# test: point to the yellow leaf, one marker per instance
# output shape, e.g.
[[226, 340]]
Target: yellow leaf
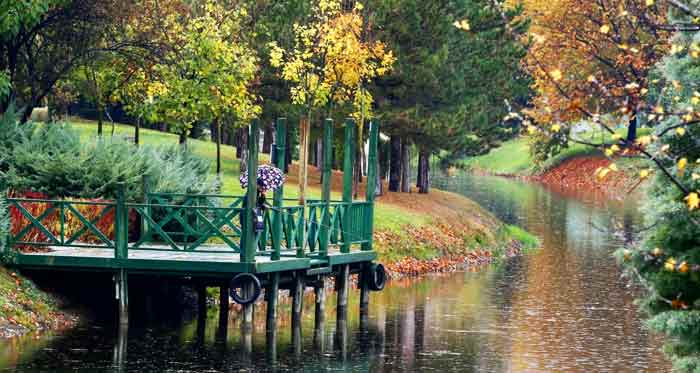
[[555, 74], [643, 174], [693, 201], [604, 172], [650, 2], [613, 167], [680, 131], [682, 163], [531, 129], [670, 264], [604, 29], [556, 128], [683, 267], [644, 140], [657, 251]]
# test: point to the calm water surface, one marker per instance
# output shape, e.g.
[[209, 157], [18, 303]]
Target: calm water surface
[[563, 308]]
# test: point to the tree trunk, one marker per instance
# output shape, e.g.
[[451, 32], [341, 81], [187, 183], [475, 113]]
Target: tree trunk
[[267, 140], [183, 137], [405, 168], [137, 131], [288, 152], [99, 118], [632, 129], [238, 141], [395, 164], [212, 131], [243, 146], [217, 125], [378, 185], [424, 172], [304, 129]]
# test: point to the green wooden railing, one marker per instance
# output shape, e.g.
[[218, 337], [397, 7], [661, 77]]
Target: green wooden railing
[[206, 223]]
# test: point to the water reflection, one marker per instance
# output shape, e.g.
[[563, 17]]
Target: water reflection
[[562, 308]]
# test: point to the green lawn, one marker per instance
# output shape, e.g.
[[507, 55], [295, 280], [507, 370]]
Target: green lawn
[[387, 216], [513, 157], [510, 158]]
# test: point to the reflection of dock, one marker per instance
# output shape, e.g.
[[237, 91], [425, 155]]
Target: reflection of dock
[[215, 240]]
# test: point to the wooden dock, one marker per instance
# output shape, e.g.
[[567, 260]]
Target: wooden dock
[[212, 238]]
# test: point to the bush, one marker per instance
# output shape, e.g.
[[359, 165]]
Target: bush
[[50, 159]]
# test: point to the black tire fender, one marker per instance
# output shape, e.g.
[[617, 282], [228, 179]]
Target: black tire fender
[[236, 288], [375, 275]]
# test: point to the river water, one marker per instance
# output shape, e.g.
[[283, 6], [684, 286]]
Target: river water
[[562, 308]]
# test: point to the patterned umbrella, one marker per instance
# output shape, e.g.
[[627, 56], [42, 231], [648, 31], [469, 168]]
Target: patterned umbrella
[[269, 178]]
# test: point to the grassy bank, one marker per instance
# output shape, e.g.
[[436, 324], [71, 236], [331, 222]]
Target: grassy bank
[[24, 308], [512, 158]]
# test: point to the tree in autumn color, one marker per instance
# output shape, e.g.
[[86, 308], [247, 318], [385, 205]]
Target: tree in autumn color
[[593, 57], [331, 63]]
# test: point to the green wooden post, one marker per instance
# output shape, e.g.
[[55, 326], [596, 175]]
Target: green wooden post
[[248, 244], [280, 151], [121, 234], [348, 160], [371, 182], [324, 233]]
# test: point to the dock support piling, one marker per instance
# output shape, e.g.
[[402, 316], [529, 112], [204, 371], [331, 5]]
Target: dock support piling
[[272, 294], [297, 296], [320, 316], [364, 296], [122, 296], [247, 308], [320, 293], [224, 305], [201, 300], [342, 285]]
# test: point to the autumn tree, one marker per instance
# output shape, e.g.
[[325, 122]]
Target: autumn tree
[[591, 58], [330, 64]]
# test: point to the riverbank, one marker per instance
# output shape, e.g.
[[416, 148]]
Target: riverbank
[[414, 233], [574, 169], [25, 308]]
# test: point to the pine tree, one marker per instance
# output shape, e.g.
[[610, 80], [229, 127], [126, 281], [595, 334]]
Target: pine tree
[[668, 262]]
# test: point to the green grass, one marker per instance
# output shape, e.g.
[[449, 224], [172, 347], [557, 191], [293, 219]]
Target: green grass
[[513, 157], [386, 216], [512, 232], [510, 158]]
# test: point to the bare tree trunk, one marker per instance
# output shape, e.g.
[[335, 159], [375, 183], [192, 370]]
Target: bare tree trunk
[[378, 185], [243, 146], [405, 168], [183, 137], [137, 131], [303, 157], [424, 171], [632, 129], [267, 140], [288, 152], [395, 164], [212, 131], [238, 141], [217, 126]]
